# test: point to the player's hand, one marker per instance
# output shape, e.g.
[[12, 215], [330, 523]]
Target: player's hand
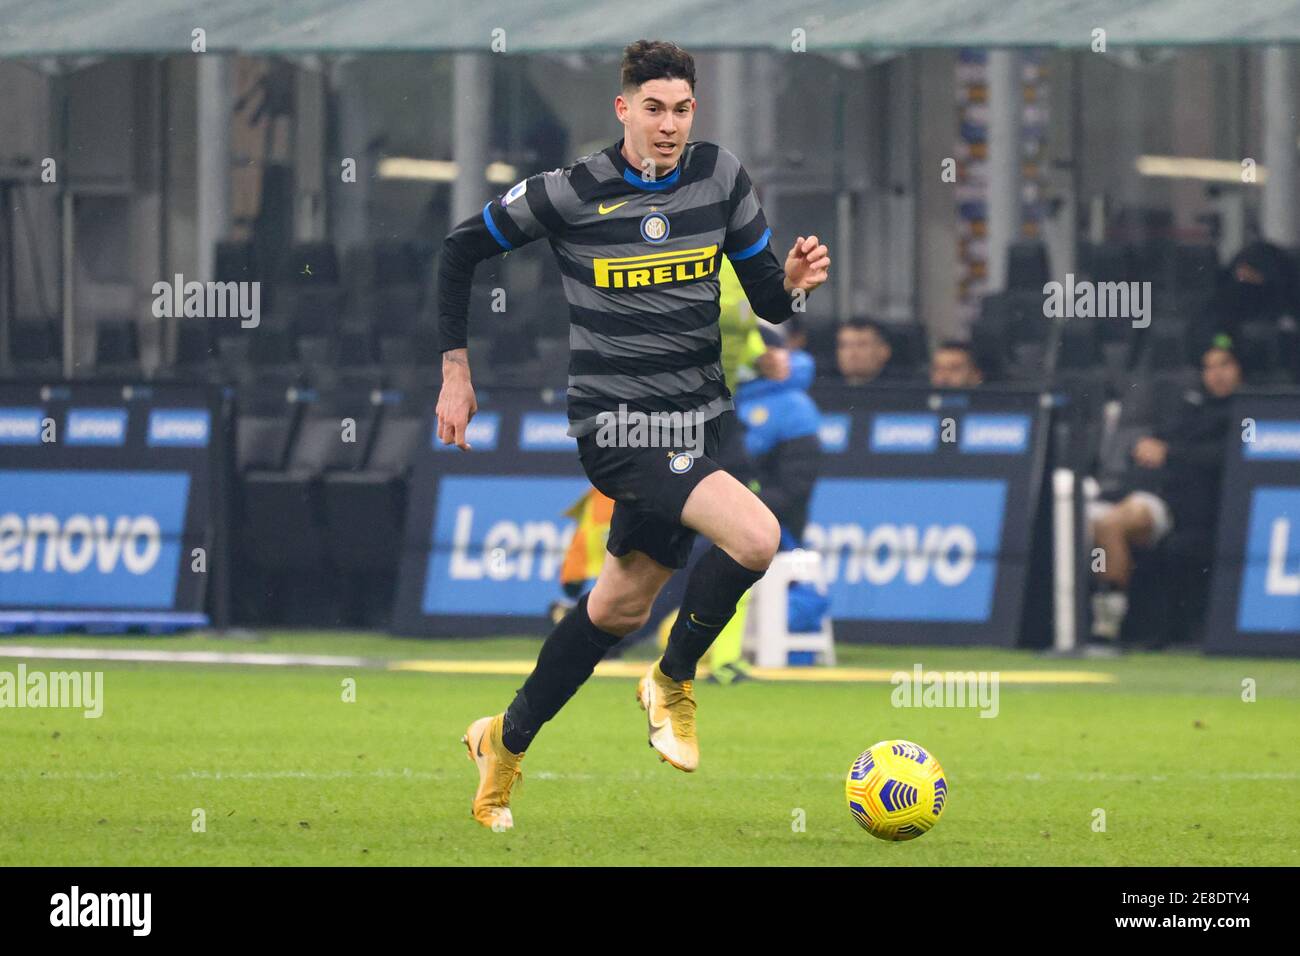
[[456, 401], [774, 364], [1150, 452], [807, 265]]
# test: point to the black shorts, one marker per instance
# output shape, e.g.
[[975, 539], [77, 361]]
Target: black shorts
[[650, 487]]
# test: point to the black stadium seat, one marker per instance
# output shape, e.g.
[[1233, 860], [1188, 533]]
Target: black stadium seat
[[235, 262], [1027, 267], [1080, 345], [395, 309], [1167, 346], [1265, 352], [273, 349], [311, 309], [1196, 267], [364, 509], [35, 348], [117, 350], [282, 520], [264, 420], [309, 263], [1014, 332], [196, 352], [396, 262], [1111, 262]]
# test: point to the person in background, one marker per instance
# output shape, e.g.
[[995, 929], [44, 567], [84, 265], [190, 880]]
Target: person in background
[[742, 345], [796, 334], [781, 424], [781, 439], [863, 353], [954, 365], [1174, 483], [586, 553], [1260, 292], [1260, 284]]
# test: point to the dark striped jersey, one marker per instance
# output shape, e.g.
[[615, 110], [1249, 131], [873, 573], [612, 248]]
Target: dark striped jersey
[[639, 261]]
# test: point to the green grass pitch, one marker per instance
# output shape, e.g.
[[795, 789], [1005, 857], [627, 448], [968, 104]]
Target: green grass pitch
[[287, 773]]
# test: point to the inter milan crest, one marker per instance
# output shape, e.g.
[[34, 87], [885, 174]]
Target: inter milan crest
[[654, 227], [680, 463]]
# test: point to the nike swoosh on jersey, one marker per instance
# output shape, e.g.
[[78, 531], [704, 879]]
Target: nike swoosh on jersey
[[603, 209]]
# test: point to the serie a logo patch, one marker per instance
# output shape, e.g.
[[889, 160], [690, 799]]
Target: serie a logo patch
[[517, 190]]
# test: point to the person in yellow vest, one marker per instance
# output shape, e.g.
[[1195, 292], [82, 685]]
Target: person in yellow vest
[[586, 553], [742, 344], [745, 356]]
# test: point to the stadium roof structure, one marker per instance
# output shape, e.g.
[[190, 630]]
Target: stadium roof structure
[[36, 28]]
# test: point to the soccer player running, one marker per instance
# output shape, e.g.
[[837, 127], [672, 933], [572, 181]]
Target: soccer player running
[[637, 230]]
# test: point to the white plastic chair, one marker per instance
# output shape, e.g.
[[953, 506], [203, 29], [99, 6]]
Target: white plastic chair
[[767, 634]]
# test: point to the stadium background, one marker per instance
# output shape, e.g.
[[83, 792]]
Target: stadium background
[[300, 729], [131, 159]]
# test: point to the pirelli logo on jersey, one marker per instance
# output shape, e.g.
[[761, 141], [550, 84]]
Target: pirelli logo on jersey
[[657, 268]]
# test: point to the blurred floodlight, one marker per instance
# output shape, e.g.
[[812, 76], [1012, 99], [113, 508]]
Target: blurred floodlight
[[1191, 167], [439, 170]]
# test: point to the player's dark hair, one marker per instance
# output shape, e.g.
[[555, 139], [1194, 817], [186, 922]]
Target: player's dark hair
[[656, 60]]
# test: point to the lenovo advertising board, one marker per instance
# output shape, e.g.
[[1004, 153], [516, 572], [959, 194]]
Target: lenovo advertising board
[[106, 506], [923, 513]]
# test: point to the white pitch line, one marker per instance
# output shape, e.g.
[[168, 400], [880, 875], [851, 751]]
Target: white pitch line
[[616, 669], [186, 657], [407, 773]]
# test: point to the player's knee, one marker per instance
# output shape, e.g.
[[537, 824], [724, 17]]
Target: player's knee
[[618, 618], [759, 542]]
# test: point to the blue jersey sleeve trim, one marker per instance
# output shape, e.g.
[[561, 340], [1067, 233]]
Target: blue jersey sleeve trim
[[753, 250], [492, 228]]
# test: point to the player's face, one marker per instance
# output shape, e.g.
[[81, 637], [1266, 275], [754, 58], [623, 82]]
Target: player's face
[[657, 121], [952, 368]]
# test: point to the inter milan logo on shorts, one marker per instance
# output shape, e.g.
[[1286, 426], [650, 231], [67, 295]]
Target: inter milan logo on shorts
[[680, 463], [654, 227]]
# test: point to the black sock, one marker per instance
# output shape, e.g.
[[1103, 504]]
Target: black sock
[[566, 660], [715, 584]]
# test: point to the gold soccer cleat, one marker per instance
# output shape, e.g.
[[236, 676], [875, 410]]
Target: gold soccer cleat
[[669, 706], [498, 770]]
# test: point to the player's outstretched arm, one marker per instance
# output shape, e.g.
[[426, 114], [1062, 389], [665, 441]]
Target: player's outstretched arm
[[464, 248], [456, 401], [507, 222]]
